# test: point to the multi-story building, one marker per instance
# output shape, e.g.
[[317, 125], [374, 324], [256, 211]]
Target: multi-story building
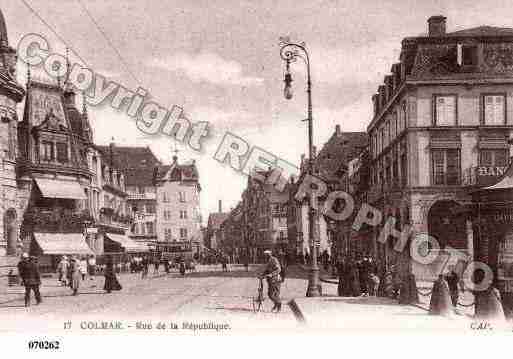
[[178, 204], [213, 234], [11, 93], [232, 239], [330, 165], [442, 124], [138, 165], [264, 209]]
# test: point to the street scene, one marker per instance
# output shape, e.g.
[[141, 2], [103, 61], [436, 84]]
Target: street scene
[[238, 167]]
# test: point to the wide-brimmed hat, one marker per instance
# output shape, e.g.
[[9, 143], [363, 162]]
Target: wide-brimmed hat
[[267, 251]]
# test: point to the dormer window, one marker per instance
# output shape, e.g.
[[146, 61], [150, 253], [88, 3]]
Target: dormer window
[[47, 153], [467, 55], [62, 152]]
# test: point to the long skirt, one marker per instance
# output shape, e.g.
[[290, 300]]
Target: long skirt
[[75, 280], [111, 283]]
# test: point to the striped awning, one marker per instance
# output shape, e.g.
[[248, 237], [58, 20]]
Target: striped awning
[[51, 188], [62, 243], [128, 244]]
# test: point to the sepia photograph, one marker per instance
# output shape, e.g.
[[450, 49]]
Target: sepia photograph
[[223, 168]]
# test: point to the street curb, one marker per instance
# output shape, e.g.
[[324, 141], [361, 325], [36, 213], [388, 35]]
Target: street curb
[[296, 311]]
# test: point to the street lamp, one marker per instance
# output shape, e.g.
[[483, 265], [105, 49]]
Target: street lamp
[[290, 52]]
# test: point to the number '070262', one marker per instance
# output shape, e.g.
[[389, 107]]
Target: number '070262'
[[43, 345]]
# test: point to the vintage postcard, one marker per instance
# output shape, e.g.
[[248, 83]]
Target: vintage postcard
[[231, 167]]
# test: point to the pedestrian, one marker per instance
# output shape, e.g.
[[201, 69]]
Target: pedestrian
[[246, 262], [452, 281], [156, 265], [75, 275], [272, 274], [31, 278], [307, 258], [182, 267], [353, 279], [62, 270], [145, 263], [83, 268], [91, 266], [111, 281], [342, 289], [21, 266], [373, 284]]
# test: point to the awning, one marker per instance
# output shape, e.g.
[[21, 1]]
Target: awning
[[506, 182], [129, 245], [63, 243], [51, 188]]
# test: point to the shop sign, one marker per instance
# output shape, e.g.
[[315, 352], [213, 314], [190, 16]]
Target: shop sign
[[493, 171], [505, 259]]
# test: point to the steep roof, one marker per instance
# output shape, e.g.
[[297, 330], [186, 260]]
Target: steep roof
[[338, 151], [216, 219], [137, 163], [179, 172], [483, 31]]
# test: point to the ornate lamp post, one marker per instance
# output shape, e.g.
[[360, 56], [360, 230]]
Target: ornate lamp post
[[290, 52]]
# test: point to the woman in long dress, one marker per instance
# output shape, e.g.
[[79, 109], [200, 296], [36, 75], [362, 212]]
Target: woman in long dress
[[75, 275], [111, 281]]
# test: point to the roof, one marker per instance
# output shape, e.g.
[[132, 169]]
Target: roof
[[341, 148], [483, 31], [179, 172], [216, 219], [3, 30], [137, 163]]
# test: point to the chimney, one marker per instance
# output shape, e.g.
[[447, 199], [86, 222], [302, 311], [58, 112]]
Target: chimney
[[436, 26], [220, 206], [337, 130]]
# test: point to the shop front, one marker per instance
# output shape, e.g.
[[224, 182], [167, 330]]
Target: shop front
[[493, 234]]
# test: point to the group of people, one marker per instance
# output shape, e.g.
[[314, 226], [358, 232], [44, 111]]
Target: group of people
[[357, 277], [74, 269], [71, 272]]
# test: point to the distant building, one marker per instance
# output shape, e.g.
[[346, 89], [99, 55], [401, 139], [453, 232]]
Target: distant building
[[137, 165], [178, 204], [213, 235], [264, 214], [330, 165]]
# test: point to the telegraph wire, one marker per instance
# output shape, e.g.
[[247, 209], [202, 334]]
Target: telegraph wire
[[111, 44], [52, 29]]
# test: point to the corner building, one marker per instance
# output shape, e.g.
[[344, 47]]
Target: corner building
[[442, 126]]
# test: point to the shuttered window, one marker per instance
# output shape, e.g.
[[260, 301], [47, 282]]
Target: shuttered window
[[494, 110], [446, 166], [445, 110]]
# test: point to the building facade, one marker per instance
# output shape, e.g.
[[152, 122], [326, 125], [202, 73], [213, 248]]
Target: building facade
[[137, 165], [11, 93], [178, 204], [442, 125]]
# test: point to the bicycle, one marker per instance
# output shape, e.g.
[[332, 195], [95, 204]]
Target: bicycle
[[259, 299]]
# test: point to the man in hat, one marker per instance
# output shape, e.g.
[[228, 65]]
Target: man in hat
[[272, 274], [31, 278], [22, 265]]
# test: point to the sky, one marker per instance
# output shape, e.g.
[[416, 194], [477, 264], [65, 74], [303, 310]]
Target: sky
[[219, 60]]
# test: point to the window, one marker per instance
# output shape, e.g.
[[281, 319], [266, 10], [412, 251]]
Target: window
[[47, 151], [143, 229], [150, 208], [388, 135], [382, 139], [149, 228], [62, 152], [94, 164], [183, 214], [403, 116], [404, 169], [446, 167], [469, 55], [167, 215], [394, 133], [183, 233], [165, 197], [168, 234], [493, 158], [494, 109], [445, 110], [181, 196]]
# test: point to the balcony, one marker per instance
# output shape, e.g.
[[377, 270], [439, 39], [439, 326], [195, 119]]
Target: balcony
[[482, 175], [56, 220], [108, 217], [141, 196]]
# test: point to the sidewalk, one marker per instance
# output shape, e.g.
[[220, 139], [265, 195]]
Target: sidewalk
[[372, 313]]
